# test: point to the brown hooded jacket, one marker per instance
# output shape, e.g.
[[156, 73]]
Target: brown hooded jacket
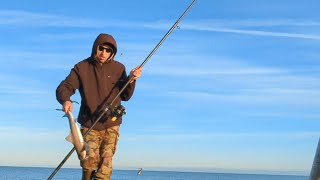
[[98, 85]]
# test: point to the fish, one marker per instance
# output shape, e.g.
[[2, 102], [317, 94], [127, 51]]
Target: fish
[[75, 137]]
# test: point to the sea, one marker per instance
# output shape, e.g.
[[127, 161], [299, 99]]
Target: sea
[[39, 173]]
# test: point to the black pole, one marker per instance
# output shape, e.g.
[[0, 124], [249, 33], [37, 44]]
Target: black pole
[[123, 88]]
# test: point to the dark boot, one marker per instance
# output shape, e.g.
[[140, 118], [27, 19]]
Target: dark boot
[[87, 174]]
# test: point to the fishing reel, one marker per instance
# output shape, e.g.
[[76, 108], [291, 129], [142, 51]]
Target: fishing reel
[[118, 112]]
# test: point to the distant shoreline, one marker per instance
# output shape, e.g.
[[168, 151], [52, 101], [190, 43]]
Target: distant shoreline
[[218, 171]]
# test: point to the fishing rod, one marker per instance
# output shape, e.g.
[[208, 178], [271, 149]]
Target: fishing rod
[[123, 88]]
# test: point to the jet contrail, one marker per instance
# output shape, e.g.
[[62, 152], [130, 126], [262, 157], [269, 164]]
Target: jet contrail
[[256, 32]]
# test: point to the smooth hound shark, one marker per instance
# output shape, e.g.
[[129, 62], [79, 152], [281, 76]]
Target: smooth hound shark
[[75, 137]]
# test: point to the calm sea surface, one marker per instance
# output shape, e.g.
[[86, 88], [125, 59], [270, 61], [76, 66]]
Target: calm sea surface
[[35, 173]]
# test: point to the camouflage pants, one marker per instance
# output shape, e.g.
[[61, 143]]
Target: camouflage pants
[[102, 148]]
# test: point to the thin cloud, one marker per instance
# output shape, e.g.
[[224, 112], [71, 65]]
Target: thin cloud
[[255, 23], [29, 134], [256, 97], [15, 84], [23, 92], [32, 19], [257, 33], [40, 60], [233, 26], [202, 71], [24, 18], [249, 84], [212, 136], [170, 65]]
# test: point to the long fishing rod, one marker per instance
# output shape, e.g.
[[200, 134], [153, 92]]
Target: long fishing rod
[[123, 88]]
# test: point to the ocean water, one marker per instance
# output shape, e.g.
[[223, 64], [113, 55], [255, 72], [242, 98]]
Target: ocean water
[[35, 173]]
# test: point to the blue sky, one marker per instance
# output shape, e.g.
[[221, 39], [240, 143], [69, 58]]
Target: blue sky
[[234, 89]]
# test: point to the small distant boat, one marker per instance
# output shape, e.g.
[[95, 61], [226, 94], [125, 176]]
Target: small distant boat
[[139, 172]]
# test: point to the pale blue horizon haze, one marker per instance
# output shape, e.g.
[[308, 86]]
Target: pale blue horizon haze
[[235, 88]]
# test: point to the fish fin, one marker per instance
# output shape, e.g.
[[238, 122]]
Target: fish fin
[[69, 138], [87, 149]]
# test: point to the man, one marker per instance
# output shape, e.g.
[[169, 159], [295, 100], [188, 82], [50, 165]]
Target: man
[[99, 78]]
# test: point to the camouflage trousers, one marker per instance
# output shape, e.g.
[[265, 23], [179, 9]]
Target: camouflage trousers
[[102, 148]]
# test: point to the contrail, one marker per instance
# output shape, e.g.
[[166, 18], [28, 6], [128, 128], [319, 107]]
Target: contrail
[[256, 33]]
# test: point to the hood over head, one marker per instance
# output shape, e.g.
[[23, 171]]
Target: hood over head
[[104, 39]]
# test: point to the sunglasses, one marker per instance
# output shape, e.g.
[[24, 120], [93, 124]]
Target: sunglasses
[[102, 48]]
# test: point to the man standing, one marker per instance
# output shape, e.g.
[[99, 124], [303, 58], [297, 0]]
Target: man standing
[[99, 78]]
